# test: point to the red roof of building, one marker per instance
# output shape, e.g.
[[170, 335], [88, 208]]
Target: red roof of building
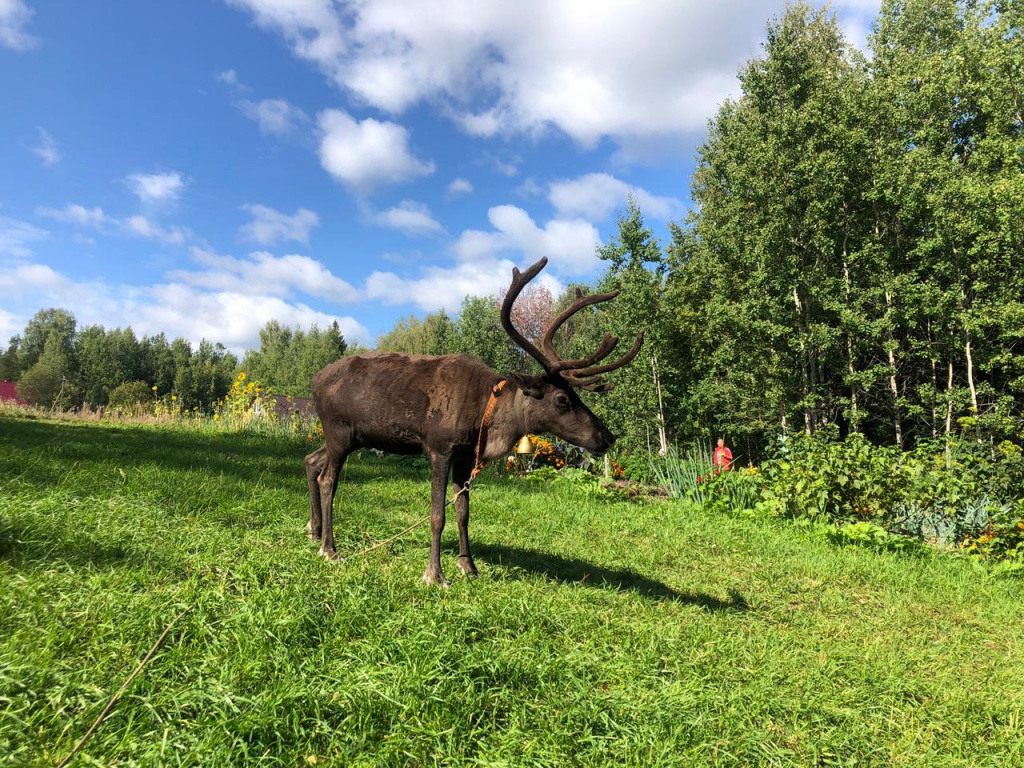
[[9, 391]]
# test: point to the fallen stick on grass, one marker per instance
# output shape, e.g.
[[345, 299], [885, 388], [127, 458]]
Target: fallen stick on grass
[[124, 686]]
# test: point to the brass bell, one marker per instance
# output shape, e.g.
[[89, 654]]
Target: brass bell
[[524, 446]]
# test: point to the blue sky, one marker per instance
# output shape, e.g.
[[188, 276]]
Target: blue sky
[[202, 166]]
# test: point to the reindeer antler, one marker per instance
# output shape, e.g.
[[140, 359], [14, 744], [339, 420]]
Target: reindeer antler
[[519, 281], [578, 373]]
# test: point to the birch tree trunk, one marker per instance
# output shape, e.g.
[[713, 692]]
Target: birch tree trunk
[[855, 417], [804, 373], [949, 408], [662, 437], [970, 384], [893, 384]]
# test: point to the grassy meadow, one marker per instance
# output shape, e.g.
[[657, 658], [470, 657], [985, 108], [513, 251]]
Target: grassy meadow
[[600, 631]]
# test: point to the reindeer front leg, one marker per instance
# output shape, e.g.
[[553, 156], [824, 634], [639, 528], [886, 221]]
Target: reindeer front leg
[[462, 466], [438, 486]]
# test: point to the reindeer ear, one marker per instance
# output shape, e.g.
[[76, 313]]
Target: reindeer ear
[[532, 386]]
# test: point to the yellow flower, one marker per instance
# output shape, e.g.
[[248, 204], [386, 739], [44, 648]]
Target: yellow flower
[[154, 387], [216, 417], [174, 397], [241, 376]]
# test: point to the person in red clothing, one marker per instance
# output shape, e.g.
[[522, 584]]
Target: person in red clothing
[[723, 457]]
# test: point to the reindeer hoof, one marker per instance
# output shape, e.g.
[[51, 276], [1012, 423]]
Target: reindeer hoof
[[329, 554], [467, 566], [434, 578]]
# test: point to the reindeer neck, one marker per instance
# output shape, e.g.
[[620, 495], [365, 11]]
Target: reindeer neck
[[507, 424]]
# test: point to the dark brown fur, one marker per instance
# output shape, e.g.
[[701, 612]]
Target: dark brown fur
[[416, 404]]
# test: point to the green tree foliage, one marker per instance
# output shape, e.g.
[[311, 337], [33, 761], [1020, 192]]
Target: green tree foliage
[[105, 360], [287, 358], [49, 382], [756, 274], [478, 332], [952, 76], [92, 362], [206, 376], [157, 362], [38, 331], [637, 270], [433, 335], [10, 365], [854, 254]]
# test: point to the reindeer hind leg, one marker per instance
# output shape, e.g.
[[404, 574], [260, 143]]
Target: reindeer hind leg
[[314, 466], [336, 452]]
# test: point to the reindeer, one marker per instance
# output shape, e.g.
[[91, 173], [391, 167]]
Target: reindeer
[[456, 411]]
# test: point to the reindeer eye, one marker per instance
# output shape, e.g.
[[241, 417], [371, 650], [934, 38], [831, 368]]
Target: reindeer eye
[[562, 401]]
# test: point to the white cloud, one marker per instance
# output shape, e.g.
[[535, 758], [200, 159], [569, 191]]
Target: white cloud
[[270, 226], [276, 117], [16, 237], [529, 188], [14, 16], [444, 288], [312, 27], [367, 153], [10, 325], [156, 187], [29, 277], [856, 17], [570, 244], [505, 167], [230, 78], [95, 218], [46, 150], [595, 196], [143, 227], [263, 274], [409, 217], [73, 213], [230, 317], [460, 186], [590, 70]]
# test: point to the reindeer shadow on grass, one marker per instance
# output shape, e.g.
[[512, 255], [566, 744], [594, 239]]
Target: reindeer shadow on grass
[[564, 570]]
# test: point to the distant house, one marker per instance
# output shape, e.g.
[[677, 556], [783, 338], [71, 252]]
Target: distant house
[[9, 392], [286, 407]]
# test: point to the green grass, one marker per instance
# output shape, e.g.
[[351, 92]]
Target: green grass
[[598, 633]]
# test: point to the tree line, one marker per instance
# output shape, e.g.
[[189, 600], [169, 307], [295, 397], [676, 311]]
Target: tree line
[[56, 363], [855, 255]]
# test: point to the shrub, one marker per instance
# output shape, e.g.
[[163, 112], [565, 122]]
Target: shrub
[[820, 477], [962, 493], [45, 385], [130, 395], [943, 493]]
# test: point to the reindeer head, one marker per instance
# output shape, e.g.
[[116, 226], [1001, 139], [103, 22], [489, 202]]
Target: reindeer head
[[550, 402]]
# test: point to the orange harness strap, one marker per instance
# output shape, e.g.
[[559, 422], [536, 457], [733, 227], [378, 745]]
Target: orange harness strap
[[481, 441], [485, 425]]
